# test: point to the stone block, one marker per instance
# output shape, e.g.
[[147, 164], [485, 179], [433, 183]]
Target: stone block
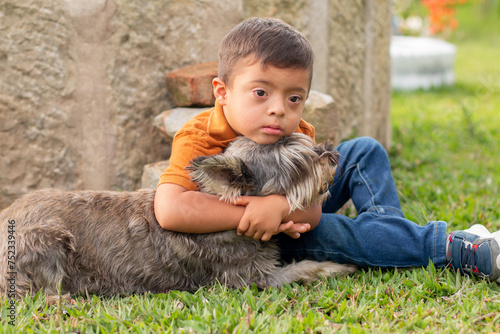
[[151, 174], [320, 110], [192, 85], [170, 121]]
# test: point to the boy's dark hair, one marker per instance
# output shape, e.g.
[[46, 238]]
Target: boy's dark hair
[[270, 40]]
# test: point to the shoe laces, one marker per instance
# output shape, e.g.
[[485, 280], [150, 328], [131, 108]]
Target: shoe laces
[[469, 256]]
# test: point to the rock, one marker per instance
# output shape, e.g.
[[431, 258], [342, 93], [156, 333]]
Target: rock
[[192, 85], [320, 110], [151, 174], [170, 121]]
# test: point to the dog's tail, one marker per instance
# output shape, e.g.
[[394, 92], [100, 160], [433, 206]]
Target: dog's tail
[[308, 271]]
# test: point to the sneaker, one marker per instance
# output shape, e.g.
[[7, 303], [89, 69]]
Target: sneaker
[[475, 251]]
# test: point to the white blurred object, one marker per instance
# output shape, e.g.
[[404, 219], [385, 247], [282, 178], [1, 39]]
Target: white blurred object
[[421, 62], [413, 24]]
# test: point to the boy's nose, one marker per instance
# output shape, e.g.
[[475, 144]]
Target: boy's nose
[[277, 109]]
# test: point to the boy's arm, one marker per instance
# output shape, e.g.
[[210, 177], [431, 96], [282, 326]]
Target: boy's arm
[[178, 209], [310, 216], [306, 221]]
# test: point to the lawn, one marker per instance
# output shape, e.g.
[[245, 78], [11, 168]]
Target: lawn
[[446, 151], [445, 160]]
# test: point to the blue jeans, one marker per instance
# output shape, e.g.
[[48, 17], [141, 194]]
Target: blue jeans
[[380, 236]]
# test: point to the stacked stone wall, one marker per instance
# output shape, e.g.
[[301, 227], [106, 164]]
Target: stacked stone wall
[[83, 80]]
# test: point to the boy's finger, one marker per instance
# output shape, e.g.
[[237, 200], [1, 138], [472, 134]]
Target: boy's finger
[[301, 227], [266, 237], [242, 200], [242, 227], [304, 228], [254, 234], [285, 226]]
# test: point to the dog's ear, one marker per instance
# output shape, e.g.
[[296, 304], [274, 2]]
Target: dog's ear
[[327, 152], [222, 175]]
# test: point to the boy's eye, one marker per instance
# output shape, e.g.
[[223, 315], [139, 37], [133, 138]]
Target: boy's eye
[[295, 99], [260, 93]]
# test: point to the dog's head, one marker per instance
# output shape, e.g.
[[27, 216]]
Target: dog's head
[[293, 167]]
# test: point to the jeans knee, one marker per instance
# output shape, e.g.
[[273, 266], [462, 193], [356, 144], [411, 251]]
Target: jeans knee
[[370, 144], [364, 151]]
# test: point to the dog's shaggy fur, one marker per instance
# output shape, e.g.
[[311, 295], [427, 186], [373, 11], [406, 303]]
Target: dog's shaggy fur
[[107, 243]]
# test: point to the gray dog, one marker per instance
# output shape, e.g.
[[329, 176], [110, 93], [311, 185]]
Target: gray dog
[[107, 243]]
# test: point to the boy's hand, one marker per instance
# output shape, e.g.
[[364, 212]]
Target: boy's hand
[[263, 216], [294, 230]]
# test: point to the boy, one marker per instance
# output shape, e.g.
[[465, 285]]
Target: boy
[[265, 72]]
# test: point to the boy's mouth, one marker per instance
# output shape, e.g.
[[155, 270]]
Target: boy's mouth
[[272, 130]]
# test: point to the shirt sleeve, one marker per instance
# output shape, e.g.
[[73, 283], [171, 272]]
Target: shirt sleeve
[[186, 146]]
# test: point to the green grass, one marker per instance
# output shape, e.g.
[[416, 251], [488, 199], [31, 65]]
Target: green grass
[[445, 157], [372, 301], [446, 149]]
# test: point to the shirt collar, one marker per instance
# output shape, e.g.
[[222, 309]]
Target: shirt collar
[[218, 127]]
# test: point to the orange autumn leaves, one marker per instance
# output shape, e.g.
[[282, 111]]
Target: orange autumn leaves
[[442, 14]]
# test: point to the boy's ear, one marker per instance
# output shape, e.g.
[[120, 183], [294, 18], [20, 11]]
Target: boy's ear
[[220, 90]]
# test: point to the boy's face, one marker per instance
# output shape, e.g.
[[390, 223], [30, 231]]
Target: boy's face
[[263, 103]]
